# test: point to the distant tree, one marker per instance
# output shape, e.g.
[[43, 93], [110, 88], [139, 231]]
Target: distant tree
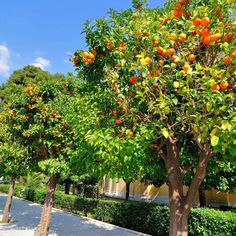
[[14, 161]]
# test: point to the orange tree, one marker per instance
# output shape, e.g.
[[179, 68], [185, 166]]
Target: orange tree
[[14, 161], [38, 121], [170, 74]]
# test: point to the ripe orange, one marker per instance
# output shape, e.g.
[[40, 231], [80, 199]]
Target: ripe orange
[[161, 51], [205, 32], [224, 85], [155, 42], [135, 14], [206, 40], [156, 72], [110, 45], [182, 37], [161, 62], [131, 134], [197, 22], [191, 57], [227, 60], [133, 79], [170, 51], [75, 58], [215, 87], [215, 37], [85, 55], [118, 121], [229, 37], [138, 33], [172, 36], [186, 68], [115, 112], [205, 21]]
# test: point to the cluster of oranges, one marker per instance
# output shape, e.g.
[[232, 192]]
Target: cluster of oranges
[[205, 32], [179, 10], [86, 57], [223, 86]]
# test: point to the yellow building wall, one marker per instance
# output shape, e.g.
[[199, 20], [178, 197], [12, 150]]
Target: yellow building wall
[[140, 190], [220, 197]]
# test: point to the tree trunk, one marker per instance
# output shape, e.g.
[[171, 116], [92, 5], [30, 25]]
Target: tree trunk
[[43, 226], [178, 219], [6, 211], [127, 189], [73, 188], [67, 186], [202, 197]]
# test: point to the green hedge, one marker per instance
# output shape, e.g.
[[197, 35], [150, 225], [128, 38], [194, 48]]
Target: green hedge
[[149, 218]]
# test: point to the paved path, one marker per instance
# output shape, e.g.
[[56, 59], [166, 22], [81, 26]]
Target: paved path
[[27, 214]]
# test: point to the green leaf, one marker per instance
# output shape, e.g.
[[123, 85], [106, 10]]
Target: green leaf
[[232, 150], [165, 133], [214, 140]]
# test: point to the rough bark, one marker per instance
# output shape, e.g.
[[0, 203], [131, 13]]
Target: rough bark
[[6, 211], [202, 196], [43, 226], [67, 186], [127, 190]]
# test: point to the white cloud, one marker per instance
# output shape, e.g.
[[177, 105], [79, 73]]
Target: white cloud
[[4, 60], [41, 62]]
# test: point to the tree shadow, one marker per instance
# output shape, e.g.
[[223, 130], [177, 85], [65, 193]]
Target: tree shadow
[[26, 216]]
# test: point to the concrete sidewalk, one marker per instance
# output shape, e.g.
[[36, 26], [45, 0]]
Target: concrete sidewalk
[[26, 216]]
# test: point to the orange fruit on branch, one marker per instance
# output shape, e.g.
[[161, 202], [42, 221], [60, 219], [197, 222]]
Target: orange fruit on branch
[[215, 87], [186, 68], [191, 57], [172, 36], [227, 60], [205, 21], [155, 42], [197, 22], [205, 32], [118, 121], [170, 51], [224, 85], [182, 37]]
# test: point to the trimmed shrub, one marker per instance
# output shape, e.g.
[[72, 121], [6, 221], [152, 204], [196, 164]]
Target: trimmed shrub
[[149, 218]]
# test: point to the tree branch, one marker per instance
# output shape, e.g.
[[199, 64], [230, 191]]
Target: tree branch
[[206, 153]]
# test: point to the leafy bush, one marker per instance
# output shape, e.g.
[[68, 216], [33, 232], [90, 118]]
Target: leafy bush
[[149, 218]]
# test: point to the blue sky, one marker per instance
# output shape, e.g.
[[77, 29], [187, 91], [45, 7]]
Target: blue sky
[[44, 32]]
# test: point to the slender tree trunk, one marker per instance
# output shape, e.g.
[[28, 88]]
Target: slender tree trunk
[[127, 190], [43, 226], [6, 211], [67, 186], [73, 188], [202, 196]]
